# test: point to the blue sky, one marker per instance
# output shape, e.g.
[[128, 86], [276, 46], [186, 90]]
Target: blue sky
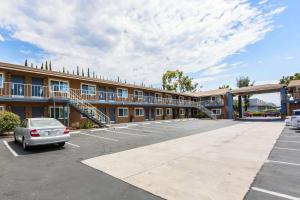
[[212, 41]]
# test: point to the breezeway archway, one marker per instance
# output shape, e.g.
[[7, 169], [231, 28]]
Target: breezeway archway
[[257, 89]]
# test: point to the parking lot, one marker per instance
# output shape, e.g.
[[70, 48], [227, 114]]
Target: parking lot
[[52, 172]]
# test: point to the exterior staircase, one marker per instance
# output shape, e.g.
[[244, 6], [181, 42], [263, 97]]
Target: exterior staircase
[[88, 110], [209, 113]]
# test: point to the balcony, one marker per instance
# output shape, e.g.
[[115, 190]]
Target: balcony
[[296, 95], [213, 103], [28, 92]]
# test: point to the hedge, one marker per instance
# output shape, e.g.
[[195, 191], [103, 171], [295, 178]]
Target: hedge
[[8, 121]]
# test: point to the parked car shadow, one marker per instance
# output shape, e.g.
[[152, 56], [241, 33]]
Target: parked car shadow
[[17, 147]]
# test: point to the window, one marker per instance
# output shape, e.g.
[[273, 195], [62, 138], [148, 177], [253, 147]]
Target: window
[[59, 112], [123, 93], [138, 94], [59, 86], [123, 112], [181, 111], [169, 111], [158, 111], [139, 111], [297, 89], [2, 109], [158, 97], [88, 89], [215, 98], [1, 80], [216, 111]]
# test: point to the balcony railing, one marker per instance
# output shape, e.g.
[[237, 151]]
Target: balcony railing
[[17, 90], [296, 95]]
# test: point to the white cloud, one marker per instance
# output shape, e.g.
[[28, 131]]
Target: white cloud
[[138, 40], [1, 38]]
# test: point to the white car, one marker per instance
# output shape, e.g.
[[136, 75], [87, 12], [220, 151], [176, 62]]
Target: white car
[[288, 121], [296, 119]]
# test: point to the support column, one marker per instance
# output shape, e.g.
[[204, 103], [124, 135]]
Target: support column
[[240, 106], [283, 101], [230, 105]]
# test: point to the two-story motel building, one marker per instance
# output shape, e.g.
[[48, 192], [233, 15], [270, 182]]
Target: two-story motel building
[[31, 92]]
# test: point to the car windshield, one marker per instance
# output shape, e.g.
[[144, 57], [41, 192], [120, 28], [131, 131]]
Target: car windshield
[[44, 122], [297, 112]]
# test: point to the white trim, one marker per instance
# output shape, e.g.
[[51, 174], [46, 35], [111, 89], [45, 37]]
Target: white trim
[[139, 97], [139, 109], [125, 108], [161, 113], [88, 90], [216, 109], [59, 80], [171, 113], [59, 107], [3, 79], [122, 93]]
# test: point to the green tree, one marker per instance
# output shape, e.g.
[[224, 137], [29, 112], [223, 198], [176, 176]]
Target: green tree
[[287, 79], [64, 70], [244, 81], [50, 66], [177, 81], [77, 71], [224, 86], [46, 65], [42, 66], [25, 64], [88, 72]]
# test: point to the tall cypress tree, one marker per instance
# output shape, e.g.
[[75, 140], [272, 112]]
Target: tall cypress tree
[[63, 69], [50, 66], [46, 65], [82, 73], [88, 72], [25, 63], [77, 70], [42, 67]]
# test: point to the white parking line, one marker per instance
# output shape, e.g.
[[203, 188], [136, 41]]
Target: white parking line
[[149, 131], [75, 132], [288, 141], [157, 122], [289, 149], [133, 134], [281, 162], [96, 136], [145, 123], [275, 193], [75, 145], [100, 129], [162, 126], [10, 149]]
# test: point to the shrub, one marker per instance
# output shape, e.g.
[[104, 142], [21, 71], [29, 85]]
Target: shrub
[[86, 124], [8, 121], [257, 114], [201, 115]]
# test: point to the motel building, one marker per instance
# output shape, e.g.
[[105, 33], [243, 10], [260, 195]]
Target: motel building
[[30, 92]]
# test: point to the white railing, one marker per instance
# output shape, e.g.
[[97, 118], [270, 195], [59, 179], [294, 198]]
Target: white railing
[[86, 107], [39, 91]]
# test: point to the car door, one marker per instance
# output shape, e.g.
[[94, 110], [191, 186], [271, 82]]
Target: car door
[[21, 130]]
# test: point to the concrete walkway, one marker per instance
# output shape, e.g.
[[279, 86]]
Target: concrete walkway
[[218, 164]]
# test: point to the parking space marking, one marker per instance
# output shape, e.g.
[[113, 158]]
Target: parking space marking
[[75, 132], [10, 149], [96, 136], [275, 193], [74, 145], [149, 131], [281, 162], [288, 141], [163, 126], [145, 123], [157, 122], [133, 134], [289, 149]]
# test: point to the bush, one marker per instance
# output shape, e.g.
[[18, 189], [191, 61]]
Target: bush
[[201, 115], [258, 114], [86, 124], [8, 121]]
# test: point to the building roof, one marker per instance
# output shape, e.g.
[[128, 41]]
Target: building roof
[[210, 92], [294, 83], [257, 89], [83, 78]]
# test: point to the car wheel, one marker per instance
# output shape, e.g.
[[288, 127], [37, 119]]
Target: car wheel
[[61, 144], [25, 147]]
